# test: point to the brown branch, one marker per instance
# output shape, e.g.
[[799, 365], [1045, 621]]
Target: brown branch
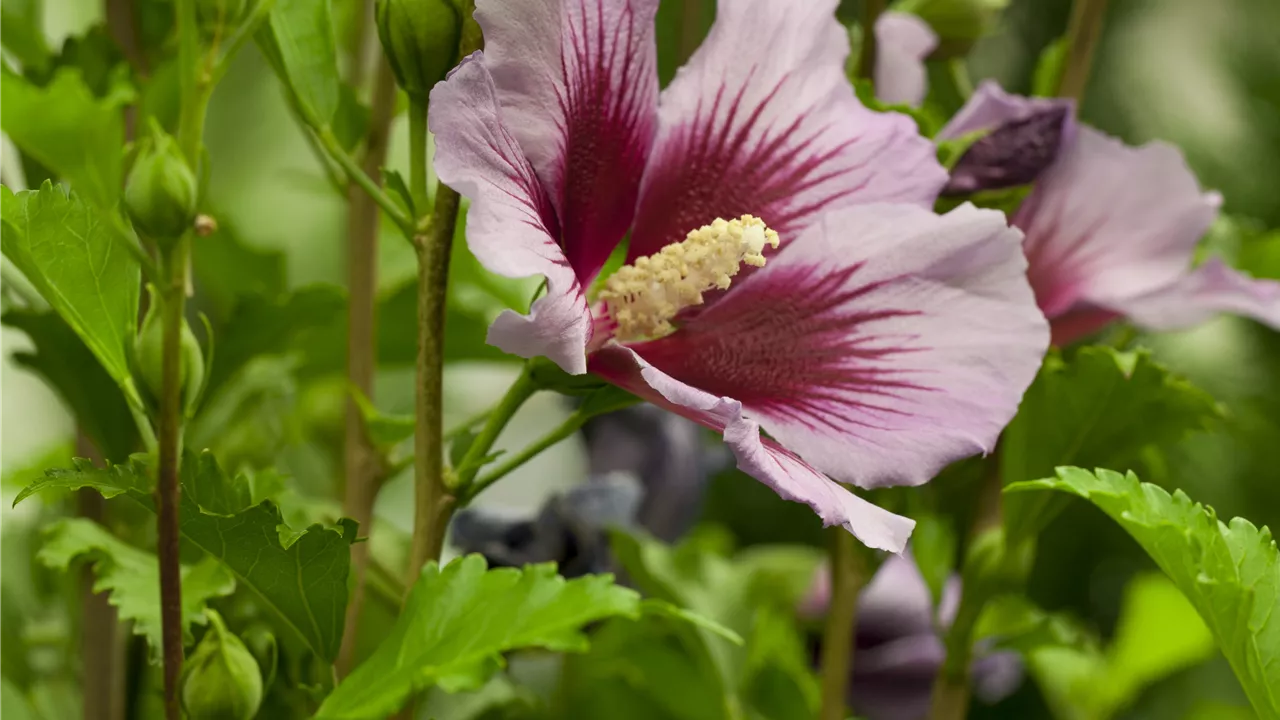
[[363, 465]]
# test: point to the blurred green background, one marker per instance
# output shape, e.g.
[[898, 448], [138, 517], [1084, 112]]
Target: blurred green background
[[1203, 74]]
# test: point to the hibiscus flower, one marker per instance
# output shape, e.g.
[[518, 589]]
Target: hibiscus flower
[[783, 270], [1111, 230]]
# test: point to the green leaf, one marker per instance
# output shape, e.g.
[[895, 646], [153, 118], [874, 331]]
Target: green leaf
[[458, 621], [1048, 73], [934, 546], [752, 595], [638, 671], [23, 22], [70, 131], [263, 326], [1159, 634], [1097, 408], [1013, 622], [303, 579], [384, 430], [62, 359], [1230, 572], [662, 608], [132, 576], [13, 704], [78, 264], [298, 40], [228, 270]]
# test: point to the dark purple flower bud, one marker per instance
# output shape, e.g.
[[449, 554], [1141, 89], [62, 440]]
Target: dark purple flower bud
[[666, 453], [1013, 154], [898, 649], [569, 530]]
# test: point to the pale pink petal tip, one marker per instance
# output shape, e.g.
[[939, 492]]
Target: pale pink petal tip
[[903, 41]]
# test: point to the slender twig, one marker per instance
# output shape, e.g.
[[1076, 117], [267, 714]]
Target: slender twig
[[566, 429], [362, 462], [356, 174], [1083, 31], [871, 10], [195, 90], [167, 492], [521, 390], [465, 425], [849, 571]]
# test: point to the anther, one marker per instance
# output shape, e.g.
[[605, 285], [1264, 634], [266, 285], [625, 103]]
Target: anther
[[643, 298]]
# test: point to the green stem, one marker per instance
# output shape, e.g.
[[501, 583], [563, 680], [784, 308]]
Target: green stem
[[167, 490], [871, 10], [357, 175], [567, 428], [521, 390], [849, 571], [1083, 31], [418, 150], [434, 502], [959, 67], [951, 688]]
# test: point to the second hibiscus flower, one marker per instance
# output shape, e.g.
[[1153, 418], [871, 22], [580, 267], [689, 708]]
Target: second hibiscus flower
[[877, 343]]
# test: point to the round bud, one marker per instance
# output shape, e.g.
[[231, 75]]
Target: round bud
[[149, 350], [221, 680], [161, 192], [420, 39]]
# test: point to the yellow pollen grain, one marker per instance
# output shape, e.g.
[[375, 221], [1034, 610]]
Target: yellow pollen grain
[[643, 297]]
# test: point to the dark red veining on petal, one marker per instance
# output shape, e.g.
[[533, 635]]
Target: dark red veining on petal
[[607, 126], [724, 163], [1058, 250], [528, 193], [792, 345]]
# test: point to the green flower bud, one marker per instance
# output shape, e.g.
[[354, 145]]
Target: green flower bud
[[959, 23], [149, 349], [420, 39], [221, 680], [162, 190]]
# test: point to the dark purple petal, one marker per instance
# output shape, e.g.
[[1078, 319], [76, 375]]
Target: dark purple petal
[[578, 85], [990, 107], [762, 121], [1015, 153]]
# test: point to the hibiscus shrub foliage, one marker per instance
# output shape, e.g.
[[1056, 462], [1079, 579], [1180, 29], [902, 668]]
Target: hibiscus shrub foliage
[[652, 359]]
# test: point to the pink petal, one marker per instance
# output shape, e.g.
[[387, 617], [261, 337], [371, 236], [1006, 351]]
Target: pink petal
[[881, 344], [763, 121], [1202, 293], [577, 82], [763, 459], [991, 107], [511, 227], [1108, 222], [903, 41]]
